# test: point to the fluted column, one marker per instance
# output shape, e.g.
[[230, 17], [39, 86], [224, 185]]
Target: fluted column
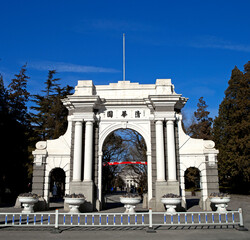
[[171, 151], [160, 151], [88, 153], [77, 159]]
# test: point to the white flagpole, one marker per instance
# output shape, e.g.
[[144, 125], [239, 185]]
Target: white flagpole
[[123, 56]]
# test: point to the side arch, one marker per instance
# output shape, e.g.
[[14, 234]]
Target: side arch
[[51, 164], [201, 166]]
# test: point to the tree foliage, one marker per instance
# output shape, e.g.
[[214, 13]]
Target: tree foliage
[[192, 178], [113, 149], [21, 129], [231, 132], [124, 145], [137, 151], [18, 96], [49, 118], [201, 126], [14, 130]]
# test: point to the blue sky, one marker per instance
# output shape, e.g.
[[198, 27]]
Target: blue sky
[[195, 43]]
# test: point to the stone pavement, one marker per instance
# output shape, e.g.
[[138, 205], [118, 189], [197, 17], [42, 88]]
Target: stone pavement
[[237, 201]]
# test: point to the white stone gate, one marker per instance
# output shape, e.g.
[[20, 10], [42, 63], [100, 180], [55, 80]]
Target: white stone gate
[[154, 111]]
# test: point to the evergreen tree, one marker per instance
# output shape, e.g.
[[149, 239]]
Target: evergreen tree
[[18, 96], [3, 99], [14, 130], [50, 117], [4, 119], [231, 132], [201, 126], [57, 119]]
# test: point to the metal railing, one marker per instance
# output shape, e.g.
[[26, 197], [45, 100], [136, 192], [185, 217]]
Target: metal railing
[[196, 218], [148, 219]]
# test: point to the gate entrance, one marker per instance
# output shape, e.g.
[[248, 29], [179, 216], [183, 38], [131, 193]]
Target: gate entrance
[[57, 185], [151, 110], [124, 164]]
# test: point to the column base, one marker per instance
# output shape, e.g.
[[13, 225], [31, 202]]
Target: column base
[[162, 188], [173, 187], [87, 189]]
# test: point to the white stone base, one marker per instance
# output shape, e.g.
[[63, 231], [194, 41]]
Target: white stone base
[[162, 188], [87, 189]]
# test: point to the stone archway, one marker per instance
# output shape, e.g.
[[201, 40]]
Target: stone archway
[[57, 184], [193, 186], [154, 111], [104, 135], [55, 163], [201, 167]]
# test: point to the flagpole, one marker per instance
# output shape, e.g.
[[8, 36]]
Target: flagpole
[[123, 56]]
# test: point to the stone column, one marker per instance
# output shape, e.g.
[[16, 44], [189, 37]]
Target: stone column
[[171, 151], [150, 188], [77, 159], [100, 176], [88, 153], [160, 151]]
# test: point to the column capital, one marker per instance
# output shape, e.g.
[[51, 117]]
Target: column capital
[[159, 122], [77, 120], [170, 121]]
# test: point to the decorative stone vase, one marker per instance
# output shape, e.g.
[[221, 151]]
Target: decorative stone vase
[[171, 204], [74, 204], [28, 203], [220, 203], [129, 203]]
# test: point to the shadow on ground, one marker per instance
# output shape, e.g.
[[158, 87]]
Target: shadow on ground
[[192, 202]]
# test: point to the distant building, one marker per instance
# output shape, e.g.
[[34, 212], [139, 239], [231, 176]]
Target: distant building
[[129, 177]]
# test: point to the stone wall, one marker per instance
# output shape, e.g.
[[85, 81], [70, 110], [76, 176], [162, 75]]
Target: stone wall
[[38, 179]]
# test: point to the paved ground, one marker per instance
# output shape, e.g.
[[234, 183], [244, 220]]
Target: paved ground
[[128, 233]]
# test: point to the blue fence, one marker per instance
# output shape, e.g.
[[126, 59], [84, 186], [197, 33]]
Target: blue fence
[[146, 219]]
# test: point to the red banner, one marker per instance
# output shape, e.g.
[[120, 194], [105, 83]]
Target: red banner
[[127, 162]]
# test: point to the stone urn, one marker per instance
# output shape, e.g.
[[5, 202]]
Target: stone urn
[[74, 201], [171, 201], [28, 201], [220, 200], [129, 202]]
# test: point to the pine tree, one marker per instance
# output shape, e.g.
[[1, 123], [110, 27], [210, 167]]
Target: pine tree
[[57, 120], [231, 132], [4, 121], [49, 119], [201, 126], [18, 96], [3, 99], [14, 130]]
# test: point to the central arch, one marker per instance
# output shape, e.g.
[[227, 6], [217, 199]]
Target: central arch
[[124, 125], [104, 133]]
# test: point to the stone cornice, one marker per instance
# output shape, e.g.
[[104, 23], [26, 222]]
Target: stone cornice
[[174, 101], [75, 102]]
